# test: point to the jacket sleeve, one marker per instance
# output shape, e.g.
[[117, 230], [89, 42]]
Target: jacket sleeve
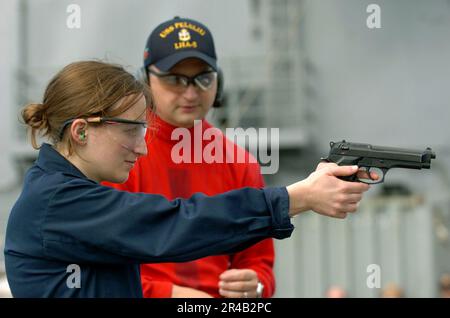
[[259, 257], [87, 222], [150, 288]]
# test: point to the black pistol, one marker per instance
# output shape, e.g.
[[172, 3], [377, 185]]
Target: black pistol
[[377, 159]]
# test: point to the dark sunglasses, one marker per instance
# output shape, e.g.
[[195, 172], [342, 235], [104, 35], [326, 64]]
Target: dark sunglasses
[[203, 80]]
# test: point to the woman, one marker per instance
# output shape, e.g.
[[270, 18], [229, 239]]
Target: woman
[[69, 236]]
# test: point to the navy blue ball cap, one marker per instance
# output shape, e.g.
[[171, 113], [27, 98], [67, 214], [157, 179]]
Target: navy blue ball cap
[[179, 39]]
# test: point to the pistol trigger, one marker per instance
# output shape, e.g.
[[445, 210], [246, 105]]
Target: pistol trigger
[[384, 170], [362, 168], [381, 172]]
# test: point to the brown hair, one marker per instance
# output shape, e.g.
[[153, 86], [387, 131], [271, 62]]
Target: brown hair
[[82, 89]]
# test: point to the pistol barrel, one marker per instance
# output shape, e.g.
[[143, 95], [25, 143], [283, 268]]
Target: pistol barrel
[[394, 157]]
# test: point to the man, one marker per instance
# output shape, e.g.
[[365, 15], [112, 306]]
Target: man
[[180, 66]]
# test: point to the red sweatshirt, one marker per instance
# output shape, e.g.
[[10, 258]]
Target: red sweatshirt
[[157, 173]]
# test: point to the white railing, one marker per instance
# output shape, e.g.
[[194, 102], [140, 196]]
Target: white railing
[[398, 234]]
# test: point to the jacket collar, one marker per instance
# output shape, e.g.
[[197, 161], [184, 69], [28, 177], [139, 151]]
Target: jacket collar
[[51, 160]]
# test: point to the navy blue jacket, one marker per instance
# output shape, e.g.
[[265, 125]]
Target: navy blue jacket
[[63, 218]]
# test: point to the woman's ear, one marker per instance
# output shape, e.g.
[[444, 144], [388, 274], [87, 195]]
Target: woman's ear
[[78, 131]]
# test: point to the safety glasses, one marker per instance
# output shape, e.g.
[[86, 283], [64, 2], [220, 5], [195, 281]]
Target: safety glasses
[[180, 82], [128, 133]]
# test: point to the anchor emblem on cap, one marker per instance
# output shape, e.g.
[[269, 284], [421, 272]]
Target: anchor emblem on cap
[[184, 35]]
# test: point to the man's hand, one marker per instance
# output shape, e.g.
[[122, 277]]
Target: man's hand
[[187, 292], [325, 194], [238, 283]]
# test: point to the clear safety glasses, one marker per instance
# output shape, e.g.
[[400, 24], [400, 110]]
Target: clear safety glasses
[[128, 133]]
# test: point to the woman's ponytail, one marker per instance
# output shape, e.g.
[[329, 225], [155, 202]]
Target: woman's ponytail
[[35, 117]]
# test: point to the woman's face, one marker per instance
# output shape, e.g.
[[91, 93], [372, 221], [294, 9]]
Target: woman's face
[[113, 148]]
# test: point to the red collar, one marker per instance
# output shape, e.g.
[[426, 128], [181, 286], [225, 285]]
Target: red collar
[[164, 130]]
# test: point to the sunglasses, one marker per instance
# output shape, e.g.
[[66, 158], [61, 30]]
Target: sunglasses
[[203, 80]]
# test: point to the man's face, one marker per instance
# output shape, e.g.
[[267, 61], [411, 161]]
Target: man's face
[[180, 107]]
